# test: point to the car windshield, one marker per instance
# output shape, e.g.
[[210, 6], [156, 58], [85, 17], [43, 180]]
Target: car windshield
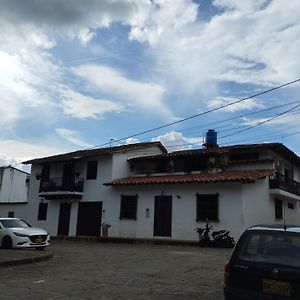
[[271, 247], [14, 223]]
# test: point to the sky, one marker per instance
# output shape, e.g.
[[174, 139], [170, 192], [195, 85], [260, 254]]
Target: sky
[[78, 74]]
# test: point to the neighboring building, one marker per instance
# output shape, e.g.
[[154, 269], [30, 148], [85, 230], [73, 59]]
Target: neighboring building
[[14, 185], [144, 192]]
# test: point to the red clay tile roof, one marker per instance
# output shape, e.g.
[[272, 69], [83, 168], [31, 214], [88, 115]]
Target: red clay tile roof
[[245, 176], [93, 152]]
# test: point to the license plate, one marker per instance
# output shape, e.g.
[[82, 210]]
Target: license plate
[[276, 287], [39, 240]]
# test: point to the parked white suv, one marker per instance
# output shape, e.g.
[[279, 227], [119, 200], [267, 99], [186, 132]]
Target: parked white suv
[[16, 233]]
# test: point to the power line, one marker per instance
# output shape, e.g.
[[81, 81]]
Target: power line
[[243, 126], [202, 113], [260, 123], [234, 128], [269, 138], [241, 116]]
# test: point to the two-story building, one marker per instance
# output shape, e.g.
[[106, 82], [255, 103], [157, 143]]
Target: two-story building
[[143, 191], [67, 195]]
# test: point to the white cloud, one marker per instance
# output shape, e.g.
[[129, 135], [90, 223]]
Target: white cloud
[[163, 17], [289, 118], [246, 42], [84, 107], [245, 5], [22, 150], [71, 18], [10, 161], [140, 94], [72, 136], [131, 141], [244, 105], [175, 140], [27, 78]]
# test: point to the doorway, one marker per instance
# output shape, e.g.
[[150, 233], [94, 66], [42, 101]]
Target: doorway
[[89, 218], [163, 216], [64, 219], [68, 176]]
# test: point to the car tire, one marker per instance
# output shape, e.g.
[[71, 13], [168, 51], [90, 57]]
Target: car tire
[[7, 242], [40, 248]]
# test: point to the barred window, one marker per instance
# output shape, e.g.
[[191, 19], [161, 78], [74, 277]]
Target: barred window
[[207, 207], [128, 207]]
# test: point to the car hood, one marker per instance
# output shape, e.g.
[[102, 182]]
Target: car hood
[[30, 231]]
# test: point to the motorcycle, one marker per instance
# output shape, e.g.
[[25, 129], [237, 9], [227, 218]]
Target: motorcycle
[[220, 238]]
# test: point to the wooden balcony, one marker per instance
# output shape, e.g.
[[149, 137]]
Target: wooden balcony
[[62, 187], [282, 182]]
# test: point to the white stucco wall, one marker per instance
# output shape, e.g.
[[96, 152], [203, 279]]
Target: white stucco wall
[[13, 186], [259, 205], [183, 209]]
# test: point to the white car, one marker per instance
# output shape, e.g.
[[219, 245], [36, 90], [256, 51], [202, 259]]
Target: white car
[[16, 233]]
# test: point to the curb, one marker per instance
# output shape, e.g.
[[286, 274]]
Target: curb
[[27, 260], [125, 240]]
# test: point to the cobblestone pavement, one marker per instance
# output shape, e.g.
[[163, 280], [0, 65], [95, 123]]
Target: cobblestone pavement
[[82, 270]]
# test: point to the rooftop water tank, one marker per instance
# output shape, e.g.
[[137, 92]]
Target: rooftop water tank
[[211, 138]]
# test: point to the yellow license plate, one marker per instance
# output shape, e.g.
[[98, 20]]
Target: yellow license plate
[[276, 287], [39, 240]]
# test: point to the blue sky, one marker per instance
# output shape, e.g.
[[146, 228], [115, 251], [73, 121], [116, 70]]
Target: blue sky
[[75, 74]]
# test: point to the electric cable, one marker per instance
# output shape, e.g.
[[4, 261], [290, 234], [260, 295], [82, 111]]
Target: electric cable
[[201, 114]]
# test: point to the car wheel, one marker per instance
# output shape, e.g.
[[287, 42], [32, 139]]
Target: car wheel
[[40, 248], [7, 242]]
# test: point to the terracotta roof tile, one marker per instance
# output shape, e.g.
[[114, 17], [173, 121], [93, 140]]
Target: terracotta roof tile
[[245, 176]]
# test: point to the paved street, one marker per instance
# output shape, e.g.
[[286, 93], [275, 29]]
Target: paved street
[[81, 270]]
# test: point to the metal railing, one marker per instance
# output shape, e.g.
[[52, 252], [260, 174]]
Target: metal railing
[[282, 182], [74, 184]]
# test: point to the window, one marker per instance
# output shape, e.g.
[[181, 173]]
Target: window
[[207, 207], [91, 169], [291, 205], [278, 209], [272, 247], [11, 214], [42, 215], [128, 207]]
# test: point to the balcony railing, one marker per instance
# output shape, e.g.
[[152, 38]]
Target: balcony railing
[[62, 185], [282, 182]]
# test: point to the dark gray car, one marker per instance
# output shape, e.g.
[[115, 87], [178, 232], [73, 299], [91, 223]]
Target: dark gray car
[[265, 264]]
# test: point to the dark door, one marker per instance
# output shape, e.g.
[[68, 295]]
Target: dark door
[[163, 216], [64, 219], [68, 176], [89, 218]]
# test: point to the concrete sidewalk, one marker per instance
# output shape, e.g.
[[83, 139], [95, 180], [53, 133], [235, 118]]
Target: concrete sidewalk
[[12, 257]]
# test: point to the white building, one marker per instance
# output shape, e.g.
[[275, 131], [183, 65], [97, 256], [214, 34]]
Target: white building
[[144, 192], [14, 185]]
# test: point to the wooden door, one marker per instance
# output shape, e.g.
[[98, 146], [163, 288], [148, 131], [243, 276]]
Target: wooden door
[[64, 219], [163, 216], [89, 218]]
